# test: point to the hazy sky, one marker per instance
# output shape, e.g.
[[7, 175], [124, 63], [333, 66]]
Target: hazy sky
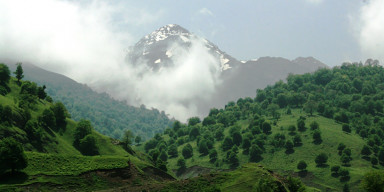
[[86, 39]]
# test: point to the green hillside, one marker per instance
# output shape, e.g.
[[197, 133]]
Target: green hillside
[[60, 154], [331, 119], [109, 117]]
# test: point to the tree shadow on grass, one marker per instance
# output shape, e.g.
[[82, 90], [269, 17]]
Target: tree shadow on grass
[[322, 166], [13, 178], [366, 158], [345, 179], [289, 151], [303, 173]]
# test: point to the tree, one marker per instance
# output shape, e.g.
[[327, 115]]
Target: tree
[[203, 149], [297, 141], [380, 156], [87, 145], [341, 147], [272, 108], [181, 164], [194, 132], [289, 147], [83, 128], [246, 145], [172, 151], [314, 125], [310, 107], [47, 119], [317, 137], [346, 128], [302, 165], [292, 129], [41, 92], [4, 74], [301, 125], [137, 139], [233, 159], [365, 151], [19, 72], [127, 137], [237, 138], [12, 155], [193, 121], [212, 155], [295, 184], [321, 159], [187, 151], [346, 188], [163, 156], [266, 128], [255, 153], [60, 113], [227, 144], [373, 181], [209, 121]]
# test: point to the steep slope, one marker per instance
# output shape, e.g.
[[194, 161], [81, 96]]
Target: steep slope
[[335, 115], [54, 147], [110, 117]]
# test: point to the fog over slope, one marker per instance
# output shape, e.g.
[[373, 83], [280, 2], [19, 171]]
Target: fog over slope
[[83, 40]]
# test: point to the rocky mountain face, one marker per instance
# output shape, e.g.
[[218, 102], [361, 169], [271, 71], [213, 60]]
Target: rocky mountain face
[[157, 49], [238, 79]]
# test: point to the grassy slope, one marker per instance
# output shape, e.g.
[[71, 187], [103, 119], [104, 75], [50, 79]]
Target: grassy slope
[[62, 163], [284, 163]]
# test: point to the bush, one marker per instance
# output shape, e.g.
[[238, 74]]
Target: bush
[[12, 156], [302, 165], [346, 128]]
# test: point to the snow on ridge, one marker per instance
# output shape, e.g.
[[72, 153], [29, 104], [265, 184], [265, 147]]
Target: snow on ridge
[[158, 61], [168, 53]]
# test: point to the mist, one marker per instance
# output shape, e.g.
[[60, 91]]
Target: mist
[[83, 41], [371, 29]]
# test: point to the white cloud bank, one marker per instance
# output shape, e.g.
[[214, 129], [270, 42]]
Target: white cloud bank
[[371, 29], [84, 42]]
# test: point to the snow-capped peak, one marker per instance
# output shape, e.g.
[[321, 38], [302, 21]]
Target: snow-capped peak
[[165, 32]]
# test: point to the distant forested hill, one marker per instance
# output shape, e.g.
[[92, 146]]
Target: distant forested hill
[[110, 117]]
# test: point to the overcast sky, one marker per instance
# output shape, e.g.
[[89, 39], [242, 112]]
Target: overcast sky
[[85, 40], [250, 29]]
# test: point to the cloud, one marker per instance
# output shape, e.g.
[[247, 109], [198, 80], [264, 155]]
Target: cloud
[[314, 1], [370, 29], [85, 41], [206, 11]]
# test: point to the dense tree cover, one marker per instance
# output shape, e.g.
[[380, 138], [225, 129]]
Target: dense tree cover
[[352, 95], [373, 181], [12, 156]]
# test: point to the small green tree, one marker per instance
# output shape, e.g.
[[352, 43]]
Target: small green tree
[[301, 125], [341, 147], [47, 119], [19, 72], [266, 128], [163, 156], [365, 151], [212, 155], [346, 128], [12, 155], [227, 144], [181, 164], [83, 128], [302, 165], [314, 125], [187, 151], [297, 141], [317, 137], [193, 121], [255, 153], [203, 149], [172, 151], [137, 139], [87, 145], [289, 146], [292, 129], [321, 159]]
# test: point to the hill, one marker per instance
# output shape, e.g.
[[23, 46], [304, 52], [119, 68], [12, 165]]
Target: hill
[[60, 153], [109, 117], [330, 119]]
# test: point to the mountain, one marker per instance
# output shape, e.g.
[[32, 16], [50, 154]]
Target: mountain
[[159, 49], [109, 116]]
